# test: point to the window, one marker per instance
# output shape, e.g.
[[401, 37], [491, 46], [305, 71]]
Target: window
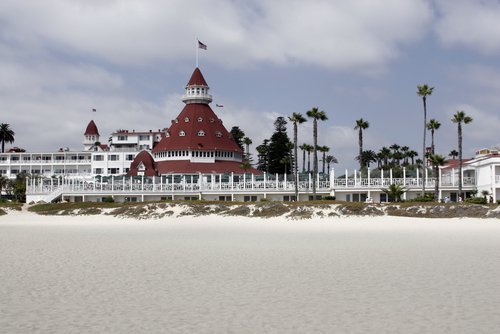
[[186, 119], [144, 137], [167, 134], [200, 119], [98, 171], [218, 134], [129, 157], [212, 120], [250, 199], [182, 133], [113, 170], [98, 157], [122, 138], [201, 133], [114, 157], [144, 147]]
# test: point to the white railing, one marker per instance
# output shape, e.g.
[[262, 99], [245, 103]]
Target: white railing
[[154, 185], [44, 162]]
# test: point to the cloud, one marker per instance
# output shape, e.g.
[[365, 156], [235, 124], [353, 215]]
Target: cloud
[[333, 34], [470, 23]]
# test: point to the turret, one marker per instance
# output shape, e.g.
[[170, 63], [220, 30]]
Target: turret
[[91, 136], [197, 89]]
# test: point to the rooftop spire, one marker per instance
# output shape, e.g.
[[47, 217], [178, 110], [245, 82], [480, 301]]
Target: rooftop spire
[[197, 89]]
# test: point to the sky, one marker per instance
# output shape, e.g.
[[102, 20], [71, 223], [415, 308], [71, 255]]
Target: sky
[[131, 60]]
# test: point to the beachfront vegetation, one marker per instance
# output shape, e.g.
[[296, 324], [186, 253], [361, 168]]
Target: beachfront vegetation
[[296, 119], [460, 117], [361, 125], [316, 115], [274, 154], [394, 192], [6, 135], [423, 91], [436, 161]]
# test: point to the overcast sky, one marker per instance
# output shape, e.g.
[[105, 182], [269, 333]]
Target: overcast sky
[[131, 60]]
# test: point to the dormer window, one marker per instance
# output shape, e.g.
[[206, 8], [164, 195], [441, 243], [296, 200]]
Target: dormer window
[[167, 134], [200, 119], [176, 120], [186, 119], [218, 134], [212, 120], [182, 134], [201, 133]]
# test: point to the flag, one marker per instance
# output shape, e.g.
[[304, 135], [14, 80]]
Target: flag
[[201, 45], [94, 110], [219, 105]]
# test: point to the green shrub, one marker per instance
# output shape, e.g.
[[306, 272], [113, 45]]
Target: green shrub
[[329, 198], [108, 199], [476, 200]]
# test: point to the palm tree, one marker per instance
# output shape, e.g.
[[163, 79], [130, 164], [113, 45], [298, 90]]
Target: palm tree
[[303, 147], [330, 159], [385, 154], [324, 150], [3, 184], [424, 91], [316, 115], [395, 191], [367, 157], [436, 160], [247, 141], [361, 125], [459, 118], [453, 154], [404, 154], [309, 150], [433, 125], [296, 119], [396, 155], [412, 154], [6, 135]]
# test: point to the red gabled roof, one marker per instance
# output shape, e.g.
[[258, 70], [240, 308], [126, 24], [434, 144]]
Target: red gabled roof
[[197, 79], [147, 160], [187, 167], [91, 129], [216, 136]]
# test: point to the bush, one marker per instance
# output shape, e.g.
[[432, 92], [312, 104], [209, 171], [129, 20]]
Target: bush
[[476, 200], [108, 199], [329, 198]]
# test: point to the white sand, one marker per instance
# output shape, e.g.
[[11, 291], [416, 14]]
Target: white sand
[[248, 275]]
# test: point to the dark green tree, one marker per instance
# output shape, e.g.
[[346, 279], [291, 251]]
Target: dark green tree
[[460, 118], [6, 135], [263, 156], [423, 91], [237, 134], [279, 148]]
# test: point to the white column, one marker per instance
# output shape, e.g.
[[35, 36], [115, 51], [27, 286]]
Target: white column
[[142, 183], [355, 178], [440, 184], [417, 176], [453, 177], [253, 181], [346, 178], [265, 180], [112, 182], [390, 176], [369, 183], [277, 181], [244, 181], [284, 176], [231, 182]]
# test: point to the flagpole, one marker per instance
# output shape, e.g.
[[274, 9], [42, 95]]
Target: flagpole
[[197, 47]]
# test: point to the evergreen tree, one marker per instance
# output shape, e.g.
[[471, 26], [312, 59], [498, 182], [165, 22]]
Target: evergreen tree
[[237, 134], [279, 148], [263, 156]]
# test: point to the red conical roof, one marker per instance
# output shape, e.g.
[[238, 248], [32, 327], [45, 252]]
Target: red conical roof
[[201, 130], [91, 129], [197, 79]]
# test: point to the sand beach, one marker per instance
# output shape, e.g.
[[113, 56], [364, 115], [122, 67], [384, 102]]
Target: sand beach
[[213, 274]]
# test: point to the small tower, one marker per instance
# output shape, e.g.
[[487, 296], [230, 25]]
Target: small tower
[[197, 89], [91, 136]]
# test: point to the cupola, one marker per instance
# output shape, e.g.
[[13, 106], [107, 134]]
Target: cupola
[[197, 89]]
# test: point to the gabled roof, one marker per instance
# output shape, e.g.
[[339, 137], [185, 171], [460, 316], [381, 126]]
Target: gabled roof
[[145, 160], [195, 119], [197, 79], [91, 129]]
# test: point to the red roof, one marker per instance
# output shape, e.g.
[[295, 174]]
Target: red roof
[[187, 167], [91, 129], [197, 79], [147, 161], [202, 130]]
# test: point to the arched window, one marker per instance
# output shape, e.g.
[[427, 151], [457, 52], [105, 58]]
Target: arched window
[[182, 133], [201, 133], [218, 134], [200, 119], [186, 119]]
